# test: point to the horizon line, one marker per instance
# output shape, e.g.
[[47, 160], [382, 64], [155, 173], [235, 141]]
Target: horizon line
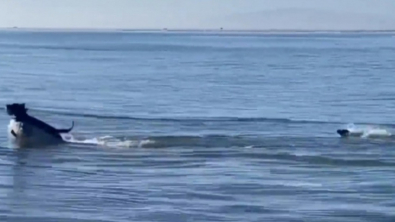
[[221, 29]]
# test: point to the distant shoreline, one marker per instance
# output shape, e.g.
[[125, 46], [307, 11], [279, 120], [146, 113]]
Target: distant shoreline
[[164, 30]]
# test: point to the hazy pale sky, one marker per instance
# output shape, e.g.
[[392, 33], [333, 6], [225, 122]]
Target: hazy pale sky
[[231, 14]]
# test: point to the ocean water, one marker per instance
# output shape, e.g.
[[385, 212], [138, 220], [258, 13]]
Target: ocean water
[[200, 126]]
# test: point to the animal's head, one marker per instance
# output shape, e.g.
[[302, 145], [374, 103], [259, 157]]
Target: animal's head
[[343, 132], [16, 109]]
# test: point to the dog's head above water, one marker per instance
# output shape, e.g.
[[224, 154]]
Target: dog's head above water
[[16, 109]]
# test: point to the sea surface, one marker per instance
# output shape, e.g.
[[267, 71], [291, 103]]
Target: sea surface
[[194, 126]]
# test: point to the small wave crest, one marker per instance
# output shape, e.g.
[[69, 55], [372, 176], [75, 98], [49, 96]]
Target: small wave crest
[[180, 119], [161, 141], [107, 141], [270, 149], [193, 141], [167, 141]]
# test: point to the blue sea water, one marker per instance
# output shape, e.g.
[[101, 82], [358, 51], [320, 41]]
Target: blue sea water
[[200, 126]]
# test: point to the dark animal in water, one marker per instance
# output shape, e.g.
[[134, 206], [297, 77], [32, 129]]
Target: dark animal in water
[[31, 127]]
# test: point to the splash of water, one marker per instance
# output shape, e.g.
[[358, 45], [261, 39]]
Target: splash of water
[[106, 141], [368, 131]]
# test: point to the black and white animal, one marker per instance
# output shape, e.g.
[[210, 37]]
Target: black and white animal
[[346, 133], [367, 133], [28, 130]]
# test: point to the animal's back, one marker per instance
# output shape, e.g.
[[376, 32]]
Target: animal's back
[[36, 123]]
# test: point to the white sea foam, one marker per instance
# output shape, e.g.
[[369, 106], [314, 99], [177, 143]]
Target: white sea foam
[[369, 131], [107, 141]]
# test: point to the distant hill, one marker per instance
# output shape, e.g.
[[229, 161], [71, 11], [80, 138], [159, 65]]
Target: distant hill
[[302, 19]]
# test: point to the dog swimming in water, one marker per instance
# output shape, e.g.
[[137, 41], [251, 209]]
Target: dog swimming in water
[[28, 130]]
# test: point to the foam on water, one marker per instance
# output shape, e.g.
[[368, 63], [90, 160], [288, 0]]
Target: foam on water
[[369, 131], [107, 141]]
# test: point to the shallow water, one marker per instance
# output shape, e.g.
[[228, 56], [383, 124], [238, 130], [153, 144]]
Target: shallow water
[[201, 127]]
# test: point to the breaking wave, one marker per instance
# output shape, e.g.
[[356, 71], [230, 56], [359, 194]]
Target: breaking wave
[[165, 141], [267, 149]]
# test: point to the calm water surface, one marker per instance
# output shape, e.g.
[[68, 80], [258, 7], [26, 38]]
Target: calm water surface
[[200, 127]]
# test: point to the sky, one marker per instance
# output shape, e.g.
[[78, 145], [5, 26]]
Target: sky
[[199, 14]]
